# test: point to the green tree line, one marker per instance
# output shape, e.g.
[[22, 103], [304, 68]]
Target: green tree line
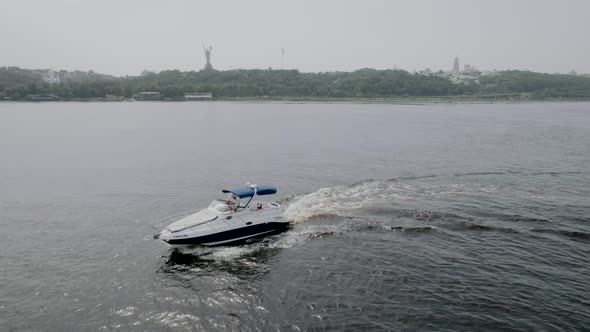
[[18, 84]]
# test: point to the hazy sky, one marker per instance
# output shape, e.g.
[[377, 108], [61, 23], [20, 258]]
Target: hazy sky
[[126, 36]]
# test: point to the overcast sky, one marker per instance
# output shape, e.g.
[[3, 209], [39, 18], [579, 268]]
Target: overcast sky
[[126, 36]]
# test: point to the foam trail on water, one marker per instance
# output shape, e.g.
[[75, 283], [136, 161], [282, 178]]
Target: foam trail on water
[[343, 200]]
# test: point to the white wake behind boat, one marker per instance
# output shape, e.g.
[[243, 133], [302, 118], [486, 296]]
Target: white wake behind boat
[[227, 221]]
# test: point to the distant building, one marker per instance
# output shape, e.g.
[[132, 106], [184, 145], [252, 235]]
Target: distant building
[[470, 70], [456, 66], [148, 96], [489, 73], [51, 77], [463, 78], [198, 96]]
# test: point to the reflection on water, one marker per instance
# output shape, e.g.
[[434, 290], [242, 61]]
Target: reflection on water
[[243, 262]]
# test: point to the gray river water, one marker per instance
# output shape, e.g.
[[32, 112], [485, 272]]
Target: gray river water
[[409, 217]]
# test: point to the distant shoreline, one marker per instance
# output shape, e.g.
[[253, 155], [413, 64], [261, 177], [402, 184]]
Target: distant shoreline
[[392, 100], [363, 85], [403, 100]]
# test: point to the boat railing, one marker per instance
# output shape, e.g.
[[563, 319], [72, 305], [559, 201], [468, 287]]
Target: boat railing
[[194, 225], [174, 217]]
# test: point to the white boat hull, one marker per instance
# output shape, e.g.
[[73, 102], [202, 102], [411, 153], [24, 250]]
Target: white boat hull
[[210, 229]]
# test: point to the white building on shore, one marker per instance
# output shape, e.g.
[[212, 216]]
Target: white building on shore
[[198, 96], [51, 77]]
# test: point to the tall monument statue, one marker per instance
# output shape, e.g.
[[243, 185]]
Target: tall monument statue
[[208, 56]]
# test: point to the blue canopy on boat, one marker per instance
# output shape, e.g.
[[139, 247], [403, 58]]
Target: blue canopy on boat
[[243, 192]]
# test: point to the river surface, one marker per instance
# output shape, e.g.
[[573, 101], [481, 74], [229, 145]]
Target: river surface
[[409, 217]]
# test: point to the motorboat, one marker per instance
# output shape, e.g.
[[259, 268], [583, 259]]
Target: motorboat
[[235, 218]]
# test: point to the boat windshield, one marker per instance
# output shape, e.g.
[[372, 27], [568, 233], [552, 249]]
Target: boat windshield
[[230, 204], [219, 206]]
